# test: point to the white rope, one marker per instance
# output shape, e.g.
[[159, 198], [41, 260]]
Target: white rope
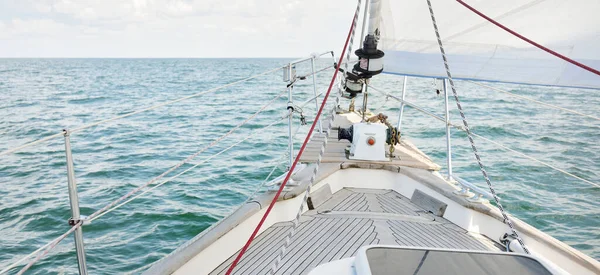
[[51, 245], [187, 159], [32, 253], [189, 169], [112, 204], [260, 186], [136, 112], [536, 101], [276, 164], [61, 134], [507, 220], [28, 256]]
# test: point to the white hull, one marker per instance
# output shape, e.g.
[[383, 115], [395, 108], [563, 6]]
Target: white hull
[[479, 225]]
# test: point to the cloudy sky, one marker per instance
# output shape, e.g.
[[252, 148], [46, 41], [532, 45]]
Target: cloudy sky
[[172, 28]]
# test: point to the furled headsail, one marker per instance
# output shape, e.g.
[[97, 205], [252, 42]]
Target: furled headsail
[[479, 50]]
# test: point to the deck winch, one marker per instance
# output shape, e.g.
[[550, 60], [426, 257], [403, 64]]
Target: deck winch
[[370, 59], [369, 139], [370, 63], [353, 85]]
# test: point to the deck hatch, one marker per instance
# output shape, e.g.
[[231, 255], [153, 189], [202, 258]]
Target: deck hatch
[[398, 260]]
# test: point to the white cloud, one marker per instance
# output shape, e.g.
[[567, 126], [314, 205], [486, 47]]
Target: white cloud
[[176, 28], [36, 27]]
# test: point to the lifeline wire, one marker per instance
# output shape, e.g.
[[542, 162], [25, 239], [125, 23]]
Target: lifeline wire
[[187, 159], [77, 129], [536, 101], [277, 163], [189, 169], [100, 211], [470, 136], [51, 245], [416, 107]]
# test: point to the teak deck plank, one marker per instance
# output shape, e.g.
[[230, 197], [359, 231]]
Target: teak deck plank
[[322, 238]]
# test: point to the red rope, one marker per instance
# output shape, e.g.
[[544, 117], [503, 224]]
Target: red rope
[[583, 66], [287, 177]]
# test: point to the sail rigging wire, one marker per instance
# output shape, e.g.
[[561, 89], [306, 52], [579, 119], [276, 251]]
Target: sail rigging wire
[[536, 101], [431, 114], [511, 12], [190, 168], [507, 220], [80, 128], [115, 202], [539, 46], [32, 253], [51, 245], [59, 239], [531, 158], [275, 163], [289, 174]]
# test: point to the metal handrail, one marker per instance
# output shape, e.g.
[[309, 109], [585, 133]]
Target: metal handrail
[[77, 221], [473, 187], [424, 111], [312, 57]]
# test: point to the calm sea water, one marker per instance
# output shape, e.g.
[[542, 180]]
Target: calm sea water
[[40, 97]]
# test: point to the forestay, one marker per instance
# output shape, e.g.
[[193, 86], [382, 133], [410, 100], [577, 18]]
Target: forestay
[[479, 50]]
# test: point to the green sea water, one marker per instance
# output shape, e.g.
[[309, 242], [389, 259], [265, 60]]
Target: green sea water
[[40, 97]]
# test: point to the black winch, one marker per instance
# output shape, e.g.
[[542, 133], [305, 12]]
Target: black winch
[[370, 59]]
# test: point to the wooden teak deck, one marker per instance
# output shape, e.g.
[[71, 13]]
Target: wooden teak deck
[[406, 154], [350, 219]]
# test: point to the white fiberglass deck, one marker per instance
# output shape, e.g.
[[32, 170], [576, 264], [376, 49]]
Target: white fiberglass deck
[[350, 219]]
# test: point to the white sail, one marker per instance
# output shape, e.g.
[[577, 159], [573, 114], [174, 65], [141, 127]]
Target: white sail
[[479, 50]]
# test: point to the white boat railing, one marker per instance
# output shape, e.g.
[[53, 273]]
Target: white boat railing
[[77, 220], [466, 186], [467, 189], [290, 78]]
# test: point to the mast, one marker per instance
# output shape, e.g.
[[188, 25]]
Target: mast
[[370, 58]]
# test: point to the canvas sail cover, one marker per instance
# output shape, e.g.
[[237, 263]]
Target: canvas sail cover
[[479, 50]]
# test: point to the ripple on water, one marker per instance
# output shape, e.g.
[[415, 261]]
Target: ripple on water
[[112, 159]]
